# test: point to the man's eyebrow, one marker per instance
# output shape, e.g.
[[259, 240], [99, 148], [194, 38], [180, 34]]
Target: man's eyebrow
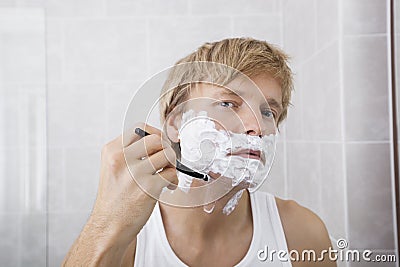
[[226, 91], [272, 102]]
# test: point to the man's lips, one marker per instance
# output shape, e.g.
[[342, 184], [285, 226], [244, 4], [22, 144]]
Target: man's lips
[[247, 153]]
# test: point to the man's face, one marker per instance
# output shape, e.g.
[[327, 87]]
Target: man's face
[[227, 132], [242, 106]]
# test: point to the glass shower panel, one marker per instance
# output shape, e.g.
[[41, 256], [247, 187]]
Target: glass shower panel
[[22, 137]]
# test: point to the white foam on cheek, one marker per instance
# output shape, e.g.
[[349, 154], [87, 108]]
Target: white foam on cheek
[[206, 149]]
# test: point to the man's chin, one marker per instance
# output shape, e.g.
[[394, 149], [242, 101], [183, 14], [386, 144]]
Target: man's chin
[[222, 184], [244, 184]]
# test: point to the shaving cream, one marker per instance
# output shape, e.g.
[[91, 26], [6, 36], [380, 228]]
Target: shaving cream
[[206, 149]]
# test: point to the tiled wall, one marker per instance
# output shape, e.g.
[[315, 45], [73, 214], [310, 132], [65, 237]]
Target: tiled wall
[[22, 137], [333, 154], [98, 55], [338, 135], [367, 134]]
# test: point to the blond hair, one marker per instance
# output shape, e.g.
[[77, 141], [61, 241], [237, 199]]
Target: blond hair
[[245, 55]]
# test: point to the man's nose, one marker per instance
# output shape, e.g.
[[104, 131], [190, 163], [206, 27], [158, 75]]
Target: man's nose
[[251, 122]]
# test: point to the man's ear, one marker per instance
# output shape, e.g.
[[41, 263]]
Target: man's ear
[[172, 125]]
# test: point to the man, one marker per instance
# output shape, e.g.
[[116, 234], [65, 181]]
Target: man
[[129, 227]]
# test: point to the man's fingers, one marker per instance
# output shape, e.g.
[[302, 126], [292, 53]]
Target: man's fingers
[[143, 148], [130, 137], [161, 159], [170, 177]]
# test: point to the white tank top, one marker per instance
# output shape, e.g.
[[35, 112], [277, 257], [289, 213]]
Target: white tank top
[[153, 249]]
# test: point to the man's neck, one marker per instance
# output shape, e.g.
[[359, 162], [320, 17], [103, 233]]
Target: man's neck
[[197, 223]]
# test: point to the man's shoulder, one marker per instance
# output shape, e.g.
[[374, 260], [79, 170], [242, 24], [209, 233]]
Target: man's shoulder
[[303, 228], [293, 212]]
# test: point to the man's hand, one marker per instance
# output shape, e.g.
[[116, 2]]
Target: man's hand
[[122, 208]]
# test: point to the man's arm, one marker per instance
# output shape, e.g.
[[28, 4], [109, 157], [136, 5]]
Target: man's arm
[[98, 245], [129, 256], [304, 230], [122, 208]]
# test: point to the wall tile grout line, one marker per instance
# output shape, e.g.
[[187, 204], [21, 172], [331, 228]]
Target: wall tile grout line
[[47, 219], [285, 156], [343, 124]]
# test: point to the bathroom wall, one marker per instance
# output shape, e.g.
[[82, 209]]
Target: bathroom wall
[[334, 151], [22, 137], [369, 139], [98, 54], [338, 140], [340, 122]]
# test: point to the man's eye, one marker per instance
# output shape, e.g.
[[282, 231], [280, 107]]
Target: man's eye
[[268, 113], [227, 104]]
